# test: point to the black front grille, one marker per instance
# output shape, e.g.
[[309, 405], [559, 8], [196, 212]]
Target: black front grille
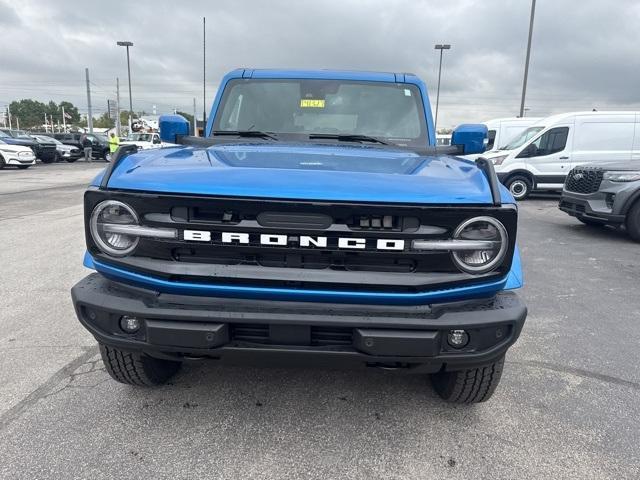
[[584, 179], [294, 265]]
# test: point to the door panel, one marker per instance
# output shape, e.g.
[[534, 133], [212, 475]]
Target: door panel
[[552, 160]]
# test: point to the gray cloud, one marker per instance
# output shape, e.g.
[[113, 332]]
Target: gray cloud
[[584, 53]]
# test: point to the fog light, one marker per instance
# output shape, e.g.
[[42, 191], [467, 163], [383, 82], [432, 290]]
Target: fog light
[[457, 338], [129, 324]]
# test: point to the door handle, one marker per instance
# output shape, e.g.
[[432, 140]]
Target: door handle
[[564, 158]]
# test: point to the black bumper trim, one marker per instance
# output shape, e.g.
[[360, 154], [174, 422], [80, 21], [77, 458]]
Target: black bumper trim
[[580, 208], [382, 335]]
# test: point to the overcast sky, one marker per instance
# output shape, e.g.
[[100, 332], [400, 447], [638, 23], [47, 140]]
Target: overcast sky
[[585, 53]]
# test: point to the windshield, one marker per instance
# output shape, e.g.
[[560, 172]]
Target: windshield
[[139, 137], [4, 135], [45, 139], [298, 108], [521, 138]]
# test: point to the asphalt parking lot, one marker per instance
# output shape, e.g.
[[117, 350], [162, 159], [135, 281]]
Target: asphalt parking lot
[[568, 405]]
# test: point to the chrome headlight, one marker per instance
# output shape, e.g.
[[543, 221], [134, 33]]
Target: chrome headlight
[[105, 219], [628, 176], [487, 240]]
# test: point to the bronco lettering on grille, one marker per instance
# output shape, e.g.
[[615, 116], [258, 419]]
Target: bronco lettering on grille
[[304, 241]]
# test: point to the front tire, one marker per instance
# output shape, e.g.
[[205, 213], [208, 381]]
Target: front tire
[[472, 385], [135, 368], [23, 167], [519, 186], [633, 221]]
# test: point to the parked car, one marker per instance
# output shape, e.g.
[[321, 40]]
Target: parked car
[[501, 131], [72, 139], [290, 234], [45, 151], [98, 143], [63, 152], [16, 155], [143, 141], [542, 155], [605, 194]]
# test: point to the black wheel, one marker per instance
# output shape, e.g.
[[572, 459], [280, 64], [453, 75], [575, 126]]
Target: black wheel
[[519, 186], [135, 368], [633, 221], [468, 386], [591, 223], [70, 160], [2, 162], [23, 167], [49, 159]]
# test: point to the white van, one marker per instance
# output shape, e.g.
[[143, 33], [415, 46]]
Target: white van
[[541, 156], [502, 130]]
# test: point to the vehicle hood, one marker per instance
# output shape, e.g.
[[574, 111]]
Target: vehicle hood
[[14, 148], [305, 172], [20, 141]]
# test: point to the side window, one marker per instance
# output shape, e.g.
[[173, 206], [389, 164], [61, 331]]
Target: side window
[[551, 142], [492, 139]]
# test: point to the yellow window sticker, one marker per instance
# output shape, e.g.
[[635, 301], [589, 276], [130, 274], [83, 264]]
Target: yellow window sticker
[[311, 103]]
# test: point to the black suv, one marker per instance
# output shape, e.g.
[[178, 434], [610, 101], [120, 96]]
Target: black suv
[[99, 143], [605, 195]]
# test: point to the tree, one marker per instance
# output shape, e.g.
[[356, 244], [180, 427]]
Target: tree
[[187, 116], [31, 112], [103, 121], [72, 110]]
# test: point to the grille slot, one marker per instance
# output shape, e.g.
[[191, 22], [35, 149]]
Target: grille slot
[[320, 336], [584, 180], [331, 336]]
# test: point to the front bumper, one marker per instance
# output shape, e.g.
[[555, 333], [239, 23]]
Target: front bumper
[[599, 206], [14, 159], [294, 333]]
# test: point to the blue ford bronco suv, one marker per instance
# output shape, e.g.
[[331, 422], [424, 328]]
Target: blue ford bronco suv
[[316, 222]]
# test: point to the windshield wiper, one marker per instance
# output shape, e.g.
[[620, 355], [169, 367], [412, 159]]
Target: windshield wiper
[[246, 133], [348, 138]]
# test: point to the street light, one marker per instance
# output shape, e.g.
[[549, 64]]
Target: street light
[[127, 45], [526, 61], [441, 48]]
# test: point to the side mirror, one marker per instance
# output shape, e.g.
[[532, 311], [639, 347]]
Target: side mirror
[[172, 125], [471, 137], [529, 151], [156, 140]]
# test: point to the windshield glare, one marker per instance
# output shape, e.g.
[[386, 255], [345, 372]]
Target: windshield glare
[[521, 138], [139, 137], [301, 107]]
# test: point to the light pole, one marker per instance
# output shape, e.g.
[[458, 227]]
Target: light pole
[[441, 48], [127, 45], [526, 62]]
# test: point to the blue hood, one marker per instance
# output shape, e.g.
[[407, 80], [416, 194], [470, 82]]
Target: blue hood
[[304, 172]]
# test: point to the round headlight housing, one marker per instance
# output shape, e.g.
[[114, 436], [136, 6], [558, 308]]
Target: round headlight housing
[[106, 214], [482, 229]]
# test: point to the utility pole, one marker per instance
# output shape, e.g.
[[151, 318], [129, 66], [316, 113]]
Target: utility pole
[[195, 122], [441, 48], [64, 121], [46, 127], [90, 115], [526, 62], [204, 71], [118, 107], [9, 115]]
